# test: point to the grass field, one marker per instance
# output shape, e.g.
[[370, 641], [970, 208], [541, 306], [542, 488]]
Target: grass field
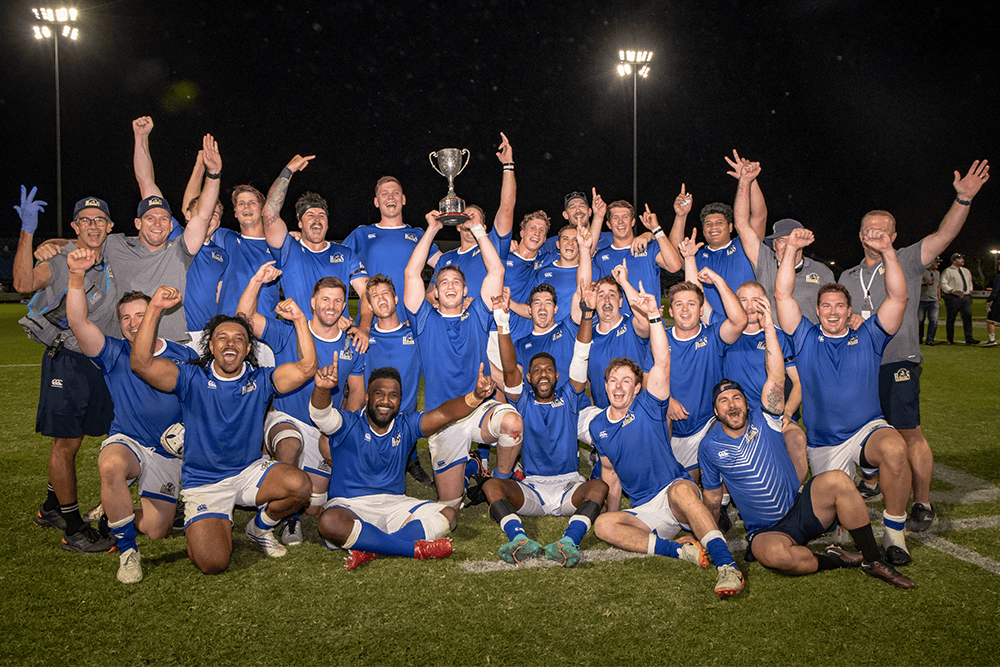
[[60, 608]]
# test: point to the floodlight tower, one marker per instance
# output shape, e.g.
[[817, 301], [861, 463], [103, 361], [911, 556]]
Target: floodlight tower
[[636, 64], [56, 23]]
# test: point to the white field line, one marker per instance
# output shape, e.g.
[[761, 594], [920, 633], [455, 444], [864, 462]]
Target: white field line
[[19, 365]]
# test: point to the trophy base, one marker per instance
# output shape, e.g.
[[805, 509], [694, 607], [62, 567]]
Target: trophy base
[[454, 219]]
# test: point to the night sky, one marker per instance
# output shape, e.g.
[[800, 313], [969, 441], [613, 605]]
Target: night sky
[[848, 105]]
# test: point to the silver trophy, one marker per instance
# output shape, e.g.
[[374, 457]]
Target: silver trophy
[[449, 162]]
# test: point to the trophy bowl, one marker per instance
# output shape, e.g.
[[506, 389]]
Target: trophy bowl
[[449, 162]]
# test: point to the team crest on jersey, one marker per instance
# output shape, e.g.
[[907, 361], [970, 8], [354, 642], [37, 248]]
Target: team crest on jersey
[[408, 339], [476, 252], [702, 342], [602, 435], [752, 434], [762, 345], [812, 278], [641, 253], [557, 402], [410, 237], [537, 265], [621, 331], [249, 386], [465, 316], [881, 269], [212, 385], [107, 269], [217, 256], [852, 341], [337, 258], [397, 439], [347, 353], [557, 335], [629, 418], [731, 250], [902, 375], [167, 489]]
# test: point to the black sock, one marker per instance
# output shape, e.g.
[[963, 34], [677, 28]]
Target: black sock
[[864, 539], [825, 563], [51, 502], [71, 514]]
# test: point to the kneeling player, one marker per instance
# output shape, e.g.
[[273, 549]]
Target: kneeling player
[[551, 415], [368, 511], [746, 450]]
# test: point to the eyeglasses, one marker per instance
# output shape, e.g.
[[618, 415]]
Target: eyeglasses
[[99, 221], [574, 195]]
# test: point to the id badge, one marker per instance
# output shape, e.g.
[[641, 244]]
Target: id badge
[[866, 314]]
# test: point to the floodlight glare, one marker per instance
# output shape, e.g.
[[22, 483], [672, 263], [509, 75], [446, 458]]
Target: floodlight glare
[[644, 72]]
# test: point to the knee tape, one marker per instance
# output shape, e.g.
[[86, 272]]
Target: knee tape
[[435, 525], [286, 434], [455, 504], [353, 537], [317, 499], [497, 417]]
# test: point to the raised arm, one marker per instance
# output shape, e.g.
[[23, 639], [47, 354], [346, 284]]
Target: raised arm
[[584, 336], [142, 162], [789, 314], [504, 220], [658, 382], [890, 313], [88, 335], [292, 375], [689, 251], [193, 188], [275, 228], [159, 372], [966, 188], [599, 208], [512, 377], [758, 208], [413, 288], [682, 207], [667, 257], [28, 278], [584, 267], [772, 397], [493, 282], [321, 410], [620, 273], [736, 317], [197, 227], [457, 408], [248, 300], [748, 172]]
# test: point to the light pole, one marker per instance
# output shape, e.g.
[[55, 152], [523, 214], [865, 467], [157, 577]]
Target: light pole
[[59, 19], [635, 63]]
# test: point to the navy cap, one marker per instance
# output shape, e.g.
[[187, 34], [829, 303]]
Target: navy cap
[[154, 201], [782, 228], [726, 385], [91, 202], [957, 255], [574, 195]]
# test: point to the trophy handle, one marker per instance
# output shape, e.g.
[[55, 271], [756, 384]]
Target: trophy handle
[[467, 155], [431, 157]]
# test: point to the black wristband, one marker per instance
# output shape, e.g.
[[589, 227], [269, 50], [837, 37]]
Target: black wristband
[[964, 202], [655, 320], [217, 175], [285, 173]]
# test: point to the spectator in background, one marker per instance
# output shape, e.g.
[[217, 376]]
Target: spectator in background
[[956, 287], [930, 301]]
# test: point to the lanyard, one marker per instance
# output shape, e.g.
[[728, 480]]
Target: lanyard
[[866, 289]]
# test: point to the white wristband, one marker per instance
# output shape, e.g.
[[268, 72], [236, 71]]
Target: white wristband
[[478, 232], [578, 365], [502, 318]]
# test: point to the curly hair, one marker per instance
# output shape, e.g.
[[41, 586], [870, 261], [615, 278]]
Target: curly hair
[[206, 351]]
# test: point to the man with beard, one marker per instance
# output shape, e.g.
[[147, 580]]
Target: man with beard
[[631, 437], [746, 451], [551, 414], [367, 511], [223, 400], [304, 262], [133, 452], [73, 399], [289, 435]]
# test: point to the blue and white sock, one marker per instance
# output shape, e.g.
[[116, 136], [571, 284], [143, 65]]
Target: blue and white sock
[[893, 535], [124, 532], [366, 537], [413, 530], [717, 548], [661, 547], [263, 523], [511, 525]]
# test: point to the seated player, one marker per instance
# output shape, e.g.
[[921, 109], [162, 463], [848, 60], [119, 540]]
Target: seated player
[[223, 399], [550, 411], [745, 449], [631, 436], [368, 511], [289, 435], [132, 453]]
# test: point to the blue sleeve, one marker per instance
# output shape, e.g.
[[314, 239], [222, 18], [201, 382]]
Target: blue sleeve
[[710, 477], [786, 349], [176, 230], [357, 269], [283, 254], [185, 375], [352, 240], [880, 338], [501, 243], [418, 320], [108, 356], [276, 334]]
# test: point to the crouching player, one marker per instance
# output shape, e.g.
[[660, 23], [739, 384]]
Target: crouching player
[[223, 398], [551, 415], [368, 512], [746, 450], [132, 453], [631, 437]]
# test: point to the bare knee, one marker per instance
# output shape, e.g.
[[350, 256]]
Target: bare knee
[[511, 424], [336, 524], [66, 447]]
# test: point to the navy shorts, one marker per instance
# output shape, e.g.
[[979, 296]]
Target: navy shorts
[[74, 400], [800, 523], [899, 393]]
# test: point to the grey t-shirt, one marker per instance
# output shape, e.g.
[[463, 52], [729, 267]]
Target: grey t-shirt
[[141, 269], [930, 292], [905, 345], [809, 277]]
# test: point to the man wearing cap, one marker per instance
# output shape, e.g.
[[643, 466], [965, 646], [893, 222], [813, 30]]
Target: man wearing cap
[[899, 376], [993, 308], [930, 301], [956, 287], [74, 400]]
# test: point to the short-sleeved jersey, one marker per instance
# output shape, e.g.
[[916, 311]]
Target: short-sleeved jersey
[[754, 467], [142, 269], [641, 268], [695, 368], [246, 255], [302, 267], [364, 463], [867, 288], [451, 349], [563, 279], [745, 361], [558, 341], [839, 377], [141, 412], [396, 348], [730, 261], [619, 341], [387, 250], [280, 337], [223, 420], [203, 278], [471, 261], [637, 447], [810, 275], [550, 446], [519, 276]]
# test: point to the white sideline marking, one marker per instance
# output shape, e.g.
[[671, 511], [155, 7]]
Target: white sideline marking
[[586, 556], [967, 489], [18, 365], [961, 553]]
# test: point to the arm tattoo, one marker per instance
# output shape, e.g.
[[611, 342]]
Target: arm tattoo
[[275, 199], [774, 401]]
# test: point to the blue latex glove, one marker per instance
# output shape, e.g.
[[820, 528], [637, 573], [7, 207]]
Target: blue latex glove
[[28, 210]]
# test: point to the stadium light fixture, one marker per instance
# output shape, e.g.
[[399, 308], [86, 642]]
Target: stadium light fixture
[[60, 19], [634, 64]]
